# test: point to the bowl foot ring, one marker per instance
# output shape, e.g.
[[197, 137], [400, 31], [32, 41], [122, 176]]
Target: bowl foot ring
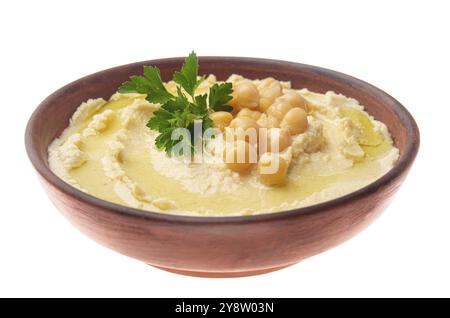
[[221, 274]]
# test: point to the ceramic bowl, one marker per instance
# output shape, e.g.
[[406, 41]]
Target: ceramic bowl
[[222, 246]]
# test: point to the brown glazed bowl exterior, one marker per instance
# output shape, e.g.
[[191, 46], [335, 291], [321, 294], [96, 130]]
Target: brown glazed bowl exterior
[[222, 246]]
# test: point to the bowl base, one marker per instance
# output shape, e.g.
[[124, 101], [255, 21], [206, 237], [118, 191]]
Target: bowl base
[[221, 274]]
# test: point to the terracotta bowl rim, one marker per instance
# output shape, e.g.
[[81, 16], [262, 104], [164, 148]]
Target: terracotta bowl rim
[[404, 162]]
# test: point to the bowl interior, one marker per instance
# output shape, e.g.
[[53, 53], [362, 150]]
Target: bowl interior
[[53, 114]]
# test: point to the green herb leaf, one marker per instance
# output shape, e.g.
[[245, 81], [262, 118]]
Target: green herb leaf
[[187, 76], [150, 84], [179, 111], [223, 108], [219, 96], [179, 104], [160, 120], [200, 106]]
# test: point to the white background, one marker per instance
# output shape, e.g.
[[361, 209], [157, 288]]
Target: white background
[[399, 46]]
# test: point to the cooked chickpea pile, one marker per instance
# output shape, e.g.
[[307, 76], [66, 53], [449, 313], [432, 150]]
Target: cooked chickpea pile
[[283, 115]]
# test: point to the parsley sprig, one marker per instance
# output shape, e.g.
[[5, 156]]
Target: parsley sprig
[[183, 109]]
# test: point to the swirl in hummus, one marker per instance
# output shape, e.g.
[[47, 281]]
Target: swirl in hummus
[[107, 151]]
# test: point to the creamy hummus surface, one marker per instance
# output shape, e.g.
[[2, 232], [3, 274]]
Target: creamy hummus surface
[[107, 151]]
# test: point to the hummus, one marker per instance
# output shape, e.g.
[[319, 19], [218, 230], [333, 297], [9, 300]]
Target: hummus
[[107, 151]]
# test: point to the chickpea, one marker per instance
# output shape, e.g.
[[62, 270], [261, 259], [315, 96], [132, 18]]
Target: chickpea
[[279, 109], [244, 123], [234, 78], [274, 140], [246, 112], [239, 156], [221, 119], [269, 90], [171, 86], [268, 121], [295, 121], [272, 169], [295, 100], [243, 128], [245, 95], [204, 85]]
